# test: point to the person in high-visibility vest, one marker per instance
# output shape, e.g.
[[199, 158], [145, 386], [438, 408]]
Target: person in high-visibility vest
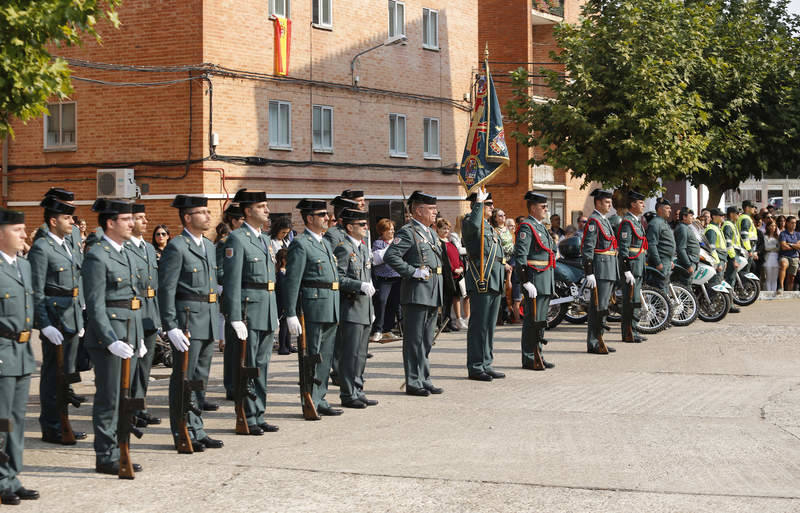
[[747, 228], [732, 240], [719, 249]]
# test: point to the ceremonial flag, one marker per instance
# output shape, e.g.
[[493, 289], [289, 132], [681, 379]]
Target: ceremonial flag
[[283, 37], [486, 153]]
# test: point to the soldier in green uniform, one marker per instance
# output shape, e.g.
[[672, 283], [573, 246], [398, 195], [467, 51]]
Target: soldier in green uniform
[[534, 255], [687, 246], [661, 245], [234, 218], [632, 254], [114, 331], [16, 354], [249, 304], [484, 288], [146, 263], [187, 295], [732, 240], [58, 305], [312, 287], [599, 254], [354, 261], [417, 258]]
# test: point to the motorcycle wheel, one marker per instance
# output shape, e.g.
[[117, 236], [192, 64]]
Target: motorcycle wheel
[[685, 312], [747, 293], [714, 311], [658, 314], [557, 313]]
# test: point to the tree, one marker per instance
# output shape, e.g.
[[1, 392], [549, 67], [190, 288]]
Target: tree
[[29, 75], [752, 85], [625, 114]]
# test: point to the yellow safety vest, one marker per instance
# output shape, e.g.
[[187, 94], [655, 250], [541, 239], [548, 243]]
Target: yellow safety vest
[[720, 244], [752, 233], [736, 241]]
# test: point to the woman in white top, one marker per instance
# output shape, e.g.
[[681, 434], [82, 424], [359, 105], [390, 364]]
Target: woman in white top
[[455, 238], [771, 247]]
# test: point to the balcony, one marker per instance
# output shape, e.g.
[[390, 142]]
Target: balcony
[[547, 12]]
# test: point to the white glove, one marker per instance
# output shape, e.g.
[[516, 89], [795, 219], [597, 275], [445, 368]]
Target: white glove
[[81, 332], [240, 328], [121, 349], [367, 288], [53, 335], [629, 278], [591, 281], [530, 288], [219, 290], [377, 256], [293, 323], [482, 195], [142, 348], [178, 339], [371, 319], [422, 273]]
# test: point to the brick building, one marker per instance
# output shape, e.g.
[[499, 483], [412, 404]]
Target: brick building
[[186, 94], [519, 33]]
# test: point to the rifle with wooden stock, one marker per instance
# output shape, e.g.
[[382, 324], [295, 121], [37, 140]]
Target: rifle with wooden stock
[[64, 397], [307, 364], [184, 443], [128, 406], [242, 390], [598, 322]]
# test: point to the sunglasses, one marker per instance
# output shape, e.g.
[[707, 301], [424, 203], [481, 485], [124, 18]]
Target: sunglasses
[[161, 234], [362, 223], [319, 214]]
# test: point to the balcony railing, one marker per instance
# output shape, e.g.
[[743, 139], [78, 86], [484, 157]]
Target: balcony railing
[[554, 7]]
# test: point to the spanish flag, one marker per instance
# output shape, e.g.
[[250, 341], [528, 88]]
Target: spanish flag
[[283, 36]]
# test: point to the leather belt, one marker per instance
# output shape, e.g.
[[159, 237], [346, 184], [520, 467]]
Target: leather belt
[[58, 292], [538, 263], [609, 252], [21, 337], [128, 304], [634, 248], [270, 285], [321, 285], [200, 298], [150, 292]]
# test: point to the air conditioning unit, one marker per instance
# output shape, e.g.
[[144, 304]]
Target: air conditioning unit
[[116, 183]]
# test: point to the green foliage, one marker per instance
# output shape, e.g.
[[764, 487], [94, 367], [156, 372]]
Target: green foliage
[[29, 75]]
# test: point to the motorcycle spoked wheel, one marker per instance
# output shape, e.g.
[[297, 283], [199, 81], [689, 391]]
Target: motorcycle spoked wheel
[[686, 311], [747, 293], [658, 314], [714, 311]]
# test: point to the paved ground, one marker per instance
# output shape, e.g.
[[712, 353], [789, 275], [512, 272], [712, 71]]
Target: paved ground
[[698, 419]]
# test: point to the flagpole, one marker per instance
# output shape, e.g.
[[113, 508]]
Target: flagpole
[[483, 205]]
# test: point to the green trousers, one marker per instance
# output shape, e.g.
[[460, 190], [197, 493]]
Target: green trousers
[[352, 353], [259, 353], [480, 332], [630, 315], [200, 353], [419, 328], [320, 339], [141, 379], [13, 400], [533, 327], [49, 416], [603, 294]]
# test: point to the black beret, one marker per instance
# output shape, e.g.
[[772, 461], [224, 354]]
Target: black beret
[[244, 197], [350, 214], [472, 198], [747, 203], [137, 208], [535, 197], [601, 194], [234, 210], [421, 197], [635, 196], [311, 204], [352, 193], [11, 216], [61, 194], [54, 204], [733, 209], [686, 210], [112, 206], [716, 212], [342, 202], [183, 201], [274, 216], [662, 201]]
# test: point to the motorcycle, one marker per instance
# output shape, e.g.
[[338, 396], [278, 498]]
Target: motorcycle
[[684, 302], [747, 286], [713, 301]]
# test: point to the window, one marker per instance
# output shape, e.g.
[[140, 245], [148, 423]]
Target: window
[[397, 18], [397, 135], [431, 134], [430, 29], [60, 126], [279, 8], [280, 125], [322, 128], [321, 15]]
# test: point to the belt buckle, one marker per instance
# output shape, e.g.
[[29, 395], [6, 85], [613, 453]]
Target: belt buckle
[[151, 292], [335, 285], [438, 270], [24, 336], [136, 303], [482, 286], [270, 286], [212, 298], [75, 292]]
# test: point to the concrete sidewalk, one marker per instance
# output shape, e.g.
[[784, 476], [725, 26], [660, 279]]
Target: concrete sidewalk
[[703, 418]]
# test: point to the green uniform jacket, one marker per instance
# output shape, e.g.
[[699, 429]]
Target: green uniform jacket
[[747, 231], [144, 258], [661, 242], [309, 260], [355, 267], [186, 269], [493, 254], [415, 246], [76, 246], [687, 246], [614, 220], [535, 244], [732, 238], [16, 315], [219, 247], [53, 268], [335, 234], [632, 245], [249, 259], [110, 277], [597, 248]]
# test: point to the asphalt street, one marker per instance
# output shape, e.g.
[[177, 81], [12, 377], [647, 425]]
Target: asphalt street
[[698, 419]]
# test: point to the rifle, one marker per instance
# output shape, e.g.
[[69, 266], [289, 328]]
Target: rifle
[[242, 390], [598, 322], [184, 443], [308, 365], [128, 406], [63, 396], [538, 361], [6, 426]]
